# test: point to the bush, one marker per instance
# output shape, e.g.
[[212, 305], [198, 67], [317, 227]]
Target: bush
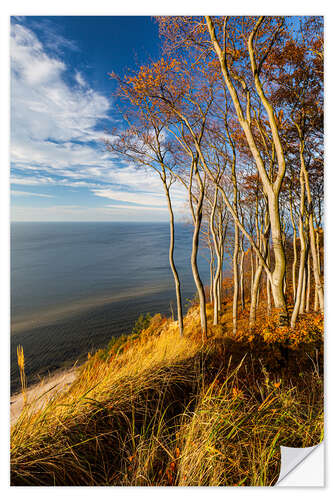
[[141, 323]]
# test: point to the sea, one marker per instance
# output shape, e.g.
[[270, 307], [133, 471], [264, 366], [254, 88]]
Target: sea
[[74, 285]]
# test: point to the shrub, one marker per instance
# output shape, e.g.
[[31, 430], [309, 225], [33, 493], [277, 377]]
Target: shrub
[[141, 323]]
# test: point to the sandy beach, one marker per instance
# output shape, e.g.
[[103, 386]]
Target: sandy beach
[[39, 394]]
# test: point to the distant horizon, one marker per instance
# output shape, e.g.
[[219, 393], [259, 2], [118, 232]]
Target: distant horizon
[[95, 221]]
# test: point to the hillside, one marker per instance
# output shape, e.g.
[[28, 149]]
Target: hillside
[[157, 409]]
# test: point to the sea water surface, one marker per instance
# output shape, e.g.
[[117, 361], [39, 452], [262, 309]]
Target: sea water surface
[[75, 285]]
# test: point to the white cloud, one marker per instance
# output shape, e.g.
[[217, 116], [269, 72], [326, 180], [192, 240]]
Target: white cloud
[[142, 187], [80, 80], [28, 193], [56, 139], [30, 181], [47, 114], [28, 59], [140, 198], [51, 181], [133, 208]]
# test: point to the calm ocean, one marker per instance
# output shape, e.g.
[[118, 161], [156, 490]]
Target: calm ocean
[[75, 285]]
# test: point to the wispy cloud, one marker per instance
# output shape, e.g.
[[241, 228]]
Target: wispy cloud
[[53, 40], [49, 117], [57, 132], [14, 192], [80, 80], [133, 208], [139, 198]]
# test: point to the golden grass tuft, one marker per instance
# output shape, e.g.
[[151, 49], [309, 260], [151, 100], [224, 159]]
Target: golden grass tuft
[[23, 379]]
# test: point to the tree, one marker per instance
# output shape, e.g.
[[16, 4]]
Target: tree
[[143, 142]]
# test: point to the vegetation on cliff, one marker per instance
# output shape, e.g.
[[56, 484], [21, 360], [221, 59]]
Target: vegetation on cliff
[[156, 409]]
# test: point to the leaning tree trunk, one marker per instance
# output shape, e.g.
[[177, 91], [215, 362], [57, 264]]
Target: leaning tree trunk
[[268, 284], [300, 282], [253, 305], [316, 301], [308, 287], [218, 258], [316, 298], [268, 293], [312, 237], [242, 278], [252, 271], [222, 233], [280, 260], [171, 260], [194, 255], [319, 285], [302, 258], [258, 273], [220, 281], [236, 240], [211, 273], [302, 306], [305, 278], [236, 281], [294, 248], [272, 190], [318, 250]]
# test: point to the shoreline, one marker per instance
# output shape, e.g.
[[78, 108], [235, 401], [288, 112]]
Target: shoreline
[[67, 340], [39, 393]]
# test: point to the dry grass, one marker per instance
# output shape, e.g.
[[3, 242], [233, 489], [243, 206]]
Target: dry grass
[[23, 379], [163, 410], [233, 435]]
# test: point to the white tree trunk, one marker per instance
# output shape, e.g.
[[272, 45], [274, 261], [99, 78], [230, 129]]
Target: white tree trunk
[[171, 261]]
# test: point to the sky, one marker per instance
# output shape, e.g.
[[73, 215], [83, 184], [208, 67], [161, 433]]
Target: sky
[[62, 107]]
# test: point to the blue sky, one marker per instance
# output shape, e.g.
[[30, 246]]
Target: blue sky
[[61, 105]]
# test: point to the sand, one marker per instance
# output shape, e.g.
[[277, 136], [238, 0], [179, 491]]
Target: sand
[[44, 390]]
